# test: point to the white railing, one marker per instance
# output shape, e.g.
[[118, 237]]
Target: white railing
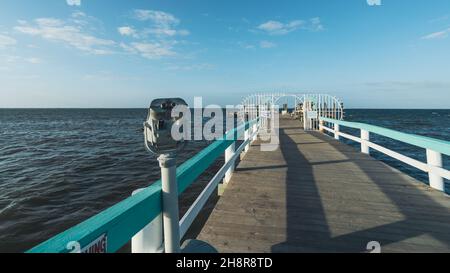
[[434, 148]]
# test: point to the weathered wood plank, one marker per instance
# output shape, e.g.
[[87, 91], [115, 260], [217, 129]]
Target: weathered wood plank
[[315, 194]]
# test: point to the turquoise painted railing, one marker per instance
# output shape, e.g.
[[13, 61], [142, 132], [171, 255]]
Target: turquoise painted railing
[[416, 140], [435, 148], [123, 220]]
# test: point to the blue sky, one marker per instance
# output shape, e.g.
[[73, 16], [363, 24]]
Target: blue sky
[[103, 53]]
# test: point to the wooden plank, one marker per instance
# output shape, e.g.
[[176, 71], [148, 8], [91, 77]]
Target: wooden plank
[[315, 194]]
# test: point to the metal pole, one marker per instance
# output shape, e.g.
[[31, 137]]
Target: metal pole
[[168, 165], [434, 159], [336, 131], [229, 152], [247, 136], [365, 137], [150, 239]]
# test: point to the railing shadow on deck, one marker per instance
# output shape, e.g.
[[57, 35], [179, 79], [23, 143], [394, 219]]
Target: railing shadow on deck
[[297, 236], [300, 237], [399, 202]]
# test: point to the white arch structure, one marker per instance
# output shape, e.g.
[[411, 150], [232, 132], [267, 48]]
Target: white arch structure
[[308, 107]]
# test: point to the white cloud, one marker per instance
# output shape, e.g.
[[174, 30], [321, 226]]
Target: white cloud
[[13, 61], [150, 50], [69, 33], [6, 41], [163, 23], [437, 35], [162, 27], [158, 17], [267, 44], [271, 26], [316, 24], [166, 32], [73, 2], [127, 31], [278, 28], [78, 31], [374, 2]]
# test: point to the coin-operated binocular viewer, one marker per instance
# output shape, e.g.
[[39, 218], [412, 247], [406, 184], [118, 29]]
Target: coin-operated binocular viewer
[[161, 118], [160, 140]]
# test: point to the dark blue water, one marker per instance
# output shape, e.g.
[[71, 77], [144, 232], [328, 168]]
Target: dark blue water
[[58, 167]]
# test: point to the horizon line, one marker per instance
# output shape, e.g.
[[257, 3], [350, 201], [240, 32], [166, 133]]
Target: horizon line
[[126, 108]]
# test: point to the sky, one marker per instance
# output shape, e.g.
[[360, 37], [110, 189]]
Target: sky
[[123, 54]]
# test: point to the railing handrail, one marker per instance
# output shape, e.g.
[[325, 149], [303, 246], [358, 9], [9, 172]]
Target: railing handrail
[[434, 148], [123, 220], [437, 145]]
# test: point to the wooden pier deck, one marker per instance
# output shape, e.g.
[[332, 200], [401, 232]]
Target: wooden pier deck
[[315, 194]]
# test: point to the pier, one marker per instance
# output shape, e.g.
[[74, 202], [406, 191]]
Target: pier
[[316, 194], [309, 192]]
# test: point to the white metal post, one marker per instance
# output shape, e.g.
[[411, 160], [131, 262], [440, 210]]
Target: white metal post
[[434, 159], [247, 136], [365, 138], [305, 127], [168, 166], [336, 131], [255, 128], [229, 152], [321, 123], [151, 238]]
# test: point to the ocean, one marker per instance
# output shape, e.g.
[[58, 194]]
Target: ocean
[[58, 167]]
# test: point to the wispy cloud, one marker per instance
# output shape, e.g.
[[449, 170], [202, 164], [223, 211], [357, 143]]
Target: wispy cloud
[[79, 31], [267, 44], [158, 39], [278, 28], [273, 27], [69, 32], [73, 2], [162, 23], [6, 41], [9, 62], [315, 24], [159, 17], [437, 35], [127, 31], [150, 50]]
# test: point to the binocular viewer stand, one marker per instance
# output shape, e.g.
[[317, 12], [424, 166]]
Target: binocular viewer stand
[[171, 226]]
